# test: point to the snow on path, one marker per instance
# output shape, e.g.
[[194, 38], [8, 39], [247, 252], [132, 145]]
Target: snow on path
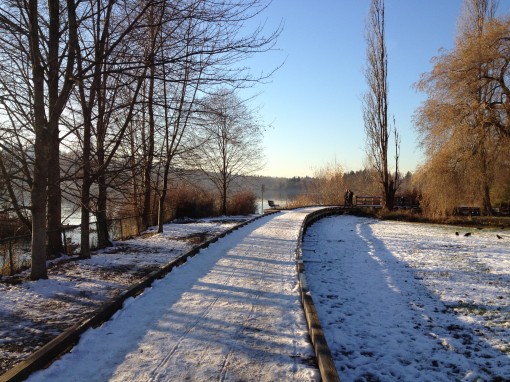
[[34, 312], [411, 302], [231, 313]]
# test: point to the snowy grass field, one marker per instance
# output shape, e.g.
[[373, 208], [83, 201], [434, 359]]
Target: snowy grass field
[[411, 302]]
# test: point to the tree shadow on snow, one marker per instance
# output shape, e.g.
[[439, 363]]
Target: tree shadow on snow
[[219, 313], [378, 311]]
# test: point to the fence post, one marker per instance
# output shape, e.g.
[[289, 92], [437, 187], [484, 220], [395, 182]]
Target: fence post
[[11, 260], [121, 231], [65, 241]]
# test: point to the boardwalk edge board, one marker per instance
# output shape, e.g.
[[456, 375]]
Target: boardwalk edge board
[[323, 354], [64, 342]]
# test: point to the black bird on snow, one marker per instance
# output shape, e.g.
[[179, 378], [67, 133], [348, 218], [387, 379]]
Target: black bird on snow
[[499, 237], [467, 234], [456, 234]]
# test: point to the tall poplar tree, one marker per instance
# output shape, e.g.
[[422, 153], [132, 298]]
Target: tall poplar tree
[[378, 129]]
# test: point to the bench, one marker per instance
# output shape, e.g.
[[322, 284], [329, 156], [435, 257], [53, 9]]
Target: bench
[[503, 209], [368, 201], [272, 204], [467, 211]]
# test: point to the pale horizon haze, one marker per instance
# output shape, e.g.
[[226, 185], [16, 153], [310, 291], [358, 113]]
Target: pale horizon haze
[[313, 102]]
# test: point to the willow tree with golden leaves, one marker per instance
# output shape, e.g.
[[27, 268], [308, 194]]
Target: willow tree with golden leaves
[[463, 124]]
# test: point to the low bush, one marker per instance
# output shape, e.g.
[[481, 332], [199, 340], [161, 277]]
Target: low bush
[[408, 215], [303, 200], [242, 203], [191, 202]]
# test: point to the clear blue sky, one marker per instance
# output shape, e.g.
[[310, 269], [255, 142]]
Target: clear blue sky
[[314, 101]]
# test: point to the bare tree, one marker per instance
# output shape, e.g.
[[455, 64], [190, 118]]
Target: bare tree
[[149, 140], [78, 67], [229, 139], [201, 45], [176, 124], [60, 65], [378, 129], [475, 14], [46, 69], [100, 81], [327, 185]]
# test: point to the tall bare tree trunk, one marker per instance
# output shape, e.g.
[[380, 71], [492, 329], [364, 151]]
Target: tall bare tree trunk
[[147, 180], [55, 246], [134, 174], [147, 210], [168, 156], [224, 190], [486, 179], [103, 236], [85, 187], [39, 187]]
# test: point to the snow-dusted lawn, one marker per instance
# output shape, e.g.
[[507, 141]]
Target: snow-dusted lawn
[[32, 313], [411, 302]]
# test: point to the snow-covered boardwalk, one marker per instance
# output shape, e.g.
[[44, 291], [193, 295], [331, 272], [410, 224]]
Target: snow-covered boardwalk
[[231, 313]]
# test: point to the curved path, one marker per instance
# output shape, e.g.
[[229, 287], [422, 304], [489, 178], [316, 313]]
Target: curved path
[[232, 313]]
